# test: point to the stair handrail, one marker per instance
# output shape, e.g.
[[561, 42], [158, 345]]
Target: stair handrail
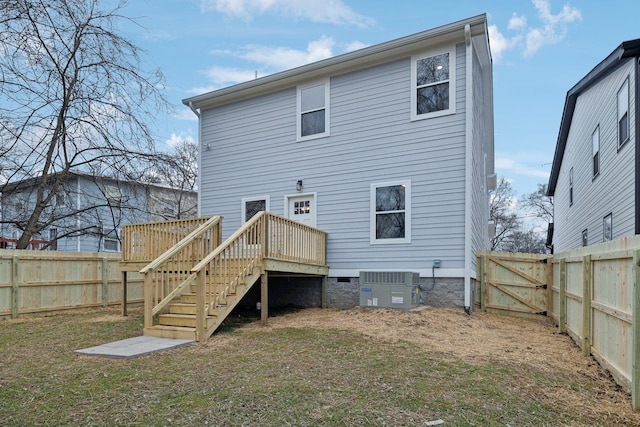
[[155, 297], [203, 228]]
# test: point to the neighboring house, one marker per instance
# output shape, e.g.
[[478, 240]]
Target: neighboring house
[[88, 212], [389, 149], [595, 177]]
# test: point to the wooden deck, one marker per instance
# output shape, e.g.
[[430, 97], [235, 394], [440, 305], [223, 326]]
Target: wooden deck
[[192, 286]]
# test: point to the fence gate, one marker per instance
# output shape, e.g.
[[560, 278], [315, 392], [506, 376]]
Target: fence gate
[[514, 284]]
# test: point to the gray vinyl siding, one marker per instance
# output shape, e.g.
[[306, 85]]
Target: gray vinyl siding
[[479, 193], [612, 191], [253, 152]]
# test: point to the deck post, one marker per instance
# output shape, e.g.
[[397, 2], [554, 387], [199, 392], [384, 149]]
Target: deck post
[[148, 299], [264, 297], [124, 293], [201, 316]]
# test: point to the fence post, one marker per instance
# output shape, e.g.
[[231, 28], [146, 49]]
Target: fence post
[[550, 286], [15, 279], [635, 327], [562, 315], [586, 305], [483, 281], [105, 281]]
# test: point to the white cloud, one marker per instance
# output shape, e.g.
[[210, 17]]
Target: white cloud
[[517, 22], [554, 26], [224, 76], [329, 12], [175, 139], [355, 45], [551, 29], [499, 43], [270, 59]]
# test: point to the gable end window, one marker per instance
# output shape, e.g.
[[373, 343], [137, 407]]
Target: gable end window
[[623, 113], [433, 84], [313, 110], [595, 142], [391, 212]]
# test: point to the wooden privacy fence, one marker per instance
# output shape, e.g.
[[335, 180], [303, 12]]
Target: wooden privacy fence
[[596, 301], [43, 281], [592, 293]]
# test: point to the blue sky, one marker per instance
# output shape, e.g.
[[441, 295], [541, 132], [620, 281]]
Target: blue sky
[[540, 48]]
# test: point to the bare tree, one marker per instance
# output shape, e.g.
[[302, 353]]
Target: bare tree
[[503, 213], [540, 205], [76, 97]]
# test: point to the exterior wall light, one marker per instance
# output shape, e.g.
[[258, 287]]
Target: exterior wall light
[[299, 185]]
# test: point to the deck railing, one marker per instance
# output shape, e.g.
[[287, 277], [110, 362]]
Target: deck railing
[[146, 242], [166, 276], [264, 236]]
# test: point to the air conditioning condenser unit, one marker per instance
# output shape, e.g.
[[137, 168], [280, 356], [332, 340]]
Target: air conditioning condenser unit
[[390, 289]]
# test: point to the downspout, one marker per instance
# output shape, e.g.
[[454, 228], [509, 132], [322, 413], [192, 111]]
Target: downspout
[[468, 168], [637, 147], [199, 200]]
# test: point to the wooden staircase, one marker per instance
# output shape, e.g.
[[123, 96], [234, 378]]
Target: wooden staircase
[[181, 319]]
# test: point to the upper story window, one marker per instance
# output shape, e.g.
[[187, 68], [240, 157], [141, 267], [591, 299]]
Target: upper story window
[[595, 142], [571, 187], [313, 110], [623, 113], [391, 212], [433, 84]]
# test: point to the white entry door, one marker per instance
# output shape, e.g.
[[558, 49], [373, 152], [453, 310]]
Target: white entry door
[[303, 209]]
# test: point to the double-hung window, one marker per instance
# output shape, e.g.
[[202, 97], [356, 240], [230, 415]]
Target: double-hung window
[[623, 113], [433, 84], [313, 110], [391, 212], [595, 142]]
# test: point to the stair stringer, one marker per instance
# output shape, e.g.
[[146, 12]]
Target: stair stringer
[[221, 312]]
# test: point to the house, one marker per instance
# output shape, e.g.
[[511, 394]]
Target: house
[[388, 149], [595, 176], [88, 212]]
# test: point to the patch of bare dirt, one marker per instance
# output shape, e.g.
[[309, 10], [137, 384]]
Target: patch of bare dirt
[[480, 338]]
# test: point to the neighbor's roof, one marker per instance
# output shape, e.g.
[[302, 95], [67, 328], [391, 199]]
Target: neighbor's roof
[[628, 49], [351, 61]]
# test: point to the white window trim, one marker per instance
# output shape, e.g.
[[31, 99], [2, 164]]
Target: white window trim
[[452, 84], [327, 110], [117, 239], [243, 211], [624, 87], [407, 213]]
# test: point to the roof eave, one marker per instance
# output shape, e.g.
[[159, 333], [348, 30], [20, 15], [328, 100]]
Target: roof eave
[[627, 49], [362, 58]]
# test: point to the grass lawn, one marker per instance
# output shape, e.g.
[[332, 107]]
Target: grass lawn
[[400, 371]]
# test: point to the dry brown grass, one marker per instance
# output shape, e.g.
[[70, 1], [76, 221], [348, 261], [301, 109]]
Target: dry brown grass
[[480, 338]]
